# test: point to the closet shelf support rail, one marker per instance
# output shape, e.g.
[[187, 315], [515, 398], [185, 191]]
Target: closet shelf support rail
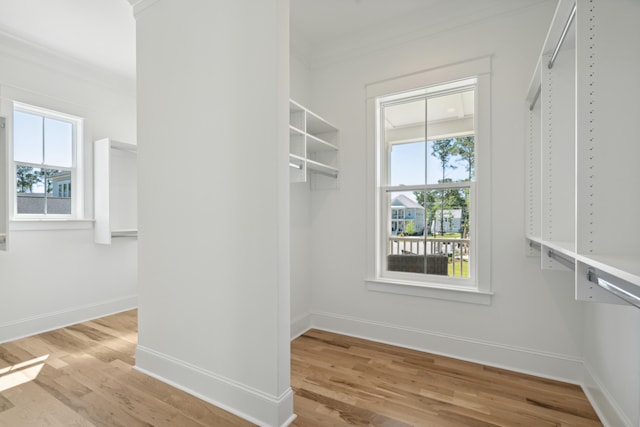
[[620, 288], [565, 30]]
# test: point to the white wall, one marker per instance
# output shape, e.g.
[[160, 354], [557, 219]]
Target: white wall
[[300, 211], [51, 278], [214, 297], [612, 361], [533, 323]]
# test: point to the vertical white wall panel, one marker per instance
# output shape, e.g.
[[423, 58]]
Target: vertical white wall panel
[[213, 202]]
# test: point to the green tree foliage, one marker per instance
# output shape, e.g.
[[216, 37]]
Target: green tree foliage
[[26, 178], [465, 148], [443, 150], [447, 151], [410, 228]]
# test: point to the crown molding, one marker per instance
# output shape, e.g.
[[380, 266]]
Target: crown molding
[[140, 6], [15, 47]]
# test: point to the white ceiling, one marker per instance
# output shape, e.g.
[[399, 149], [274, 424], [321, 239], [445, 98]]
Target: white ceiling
[[319, 21], [98, 32], [102, 32]]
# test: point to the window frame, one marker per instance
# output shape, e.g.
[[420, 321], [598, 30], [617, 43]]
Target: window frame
[[76, 169], [478, 288]]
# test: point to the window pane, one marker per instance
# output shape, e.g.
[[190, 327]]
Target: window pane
[[404, 133], [38, 191], [450, 130], [30, 190], [58, 142], [427, 232], [27, 137], [58, 191]]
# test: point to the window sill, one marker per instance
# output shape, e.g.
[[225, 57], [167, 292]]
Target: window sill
[[442, 292], [42, 224]]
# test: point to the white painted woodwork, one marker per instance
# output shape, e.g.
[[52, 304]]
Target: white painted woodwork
[[3, 185], [313, 148], [115, 190]]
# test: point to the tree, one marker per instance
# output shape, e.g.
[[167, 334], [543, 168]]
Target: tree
[[26, 178], [465, 148], [410, 228], [443, 150]]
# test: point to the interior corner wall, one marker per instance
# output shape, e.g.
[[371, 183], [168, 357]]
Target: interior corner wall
[[533, 323], [612, 362], [300, 212], [214, 297], [53, 278]]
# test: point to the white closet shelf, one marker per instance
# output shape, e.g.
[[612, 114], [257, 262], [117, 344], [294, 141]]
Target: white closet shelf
[[315, 145], [322, 168], [313, 148], [295, 131]]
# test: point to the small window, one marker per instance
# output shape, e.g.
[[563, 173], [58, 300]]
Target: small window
[[45, 154]]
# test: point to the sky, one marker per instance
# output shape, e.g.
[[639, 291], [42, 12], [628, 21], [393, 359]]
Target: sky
[[408, 165]]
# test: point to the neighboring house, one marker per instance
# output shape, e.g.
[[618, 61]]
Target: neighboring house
[[61, 184], [404, 210], [452, 221]]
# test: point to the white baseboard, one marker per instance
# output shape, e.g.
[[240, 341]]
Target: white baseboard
[[300, 325], [21, 328], [548, 365], [604, 404], [246, 402]]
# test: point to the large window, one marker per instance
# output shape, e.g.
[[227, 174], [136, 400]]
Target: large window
[[427, 142], [45, 153]]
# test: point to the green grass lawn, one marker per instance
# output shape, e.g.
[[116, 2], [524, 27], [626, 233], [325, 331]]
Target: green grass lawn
[[465, 269]]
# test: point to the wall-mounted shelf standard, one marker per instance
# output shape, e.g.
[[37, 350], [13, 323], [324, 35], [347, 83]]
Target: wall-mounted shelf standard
[[313, 148], [4, 223], [115, 190], [582, 171]]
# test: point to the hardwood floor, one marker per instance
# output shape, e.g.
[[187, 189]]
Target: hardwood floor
[[341, 380], [82, 376]]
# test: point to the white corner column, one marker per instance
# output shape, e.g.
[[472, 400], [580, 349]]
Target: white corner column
[[213, 201]]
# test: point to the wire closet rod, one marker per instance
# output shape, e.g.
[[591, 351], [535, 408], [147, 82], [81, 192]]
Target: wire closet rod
[[620, 288]]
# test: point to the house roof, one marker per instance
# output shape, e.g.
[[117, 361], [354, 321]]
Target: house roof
[[406, 202]]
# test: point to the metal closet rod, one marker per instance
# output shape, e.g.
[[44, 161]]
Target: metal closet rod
[[562, 259], [620, 288], [552, 61], [565, 30]]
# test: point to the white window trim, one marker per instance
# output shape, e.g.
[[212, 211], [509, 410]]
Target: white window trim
[[480, 291], [37, 221]]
